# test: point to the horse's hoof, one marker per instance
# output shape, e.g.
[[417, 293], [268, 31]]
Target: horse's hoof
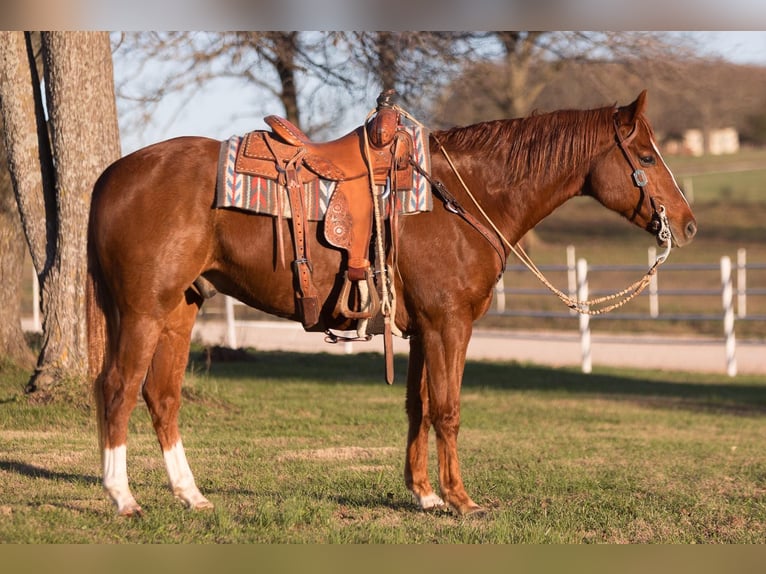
[[134, 511], [475, 511], [202, 505], [467, 508], [192, 499], [430, 502]]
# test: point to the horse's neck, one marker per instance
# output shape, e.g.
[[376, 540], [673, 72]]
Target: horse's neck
[[517, 203], [544, 199]]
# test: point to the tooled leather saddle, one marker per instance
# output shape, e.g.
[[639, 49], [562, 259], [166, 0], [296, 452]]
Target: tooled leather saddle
[[356, 163]]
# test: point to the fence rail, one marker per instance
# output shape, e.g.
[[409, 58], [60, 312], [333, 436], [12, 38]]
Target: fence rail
[[733, 298]]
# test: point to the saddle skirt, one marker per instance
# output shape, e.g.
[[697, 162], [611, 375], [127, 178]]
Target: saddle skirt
[[249, 179]]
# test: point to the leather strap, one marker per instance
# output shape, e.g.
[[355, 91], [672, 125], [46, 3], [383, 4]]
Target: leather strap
[[306, 292], [452, 204]]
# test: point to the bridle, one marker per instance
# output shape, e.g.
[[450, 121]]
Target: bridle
[[658, 224]]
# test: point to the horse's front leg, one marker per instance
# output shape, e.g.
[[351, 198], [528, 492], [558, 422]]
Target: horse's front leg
[[445, 352], [417, 406]]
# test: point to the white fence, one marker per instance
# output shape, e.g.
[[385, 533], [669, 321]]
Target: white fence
[[733, 299]]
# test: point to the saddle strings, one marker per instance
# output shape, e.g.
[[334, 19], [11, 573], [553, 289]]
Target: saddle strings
[[380, 250], [584, 307]]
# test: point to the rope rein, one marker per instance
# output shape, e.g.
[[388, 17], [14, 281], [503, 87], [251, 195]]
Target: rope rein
[[612, 301]]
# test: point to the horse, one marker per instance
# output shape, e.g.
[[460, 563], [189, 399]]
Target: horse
[[154, 231]]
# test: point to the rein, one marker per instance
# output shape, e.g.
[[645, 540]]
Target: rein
[[609, 302]]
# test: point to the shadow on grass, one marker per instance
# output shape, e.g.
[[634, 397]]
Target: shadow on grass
[[691, 391], [32, 471]]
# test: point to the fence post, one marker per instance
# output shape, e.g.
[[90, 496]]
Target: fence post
[[728, 317], [500, 294], [654, 301], [231, 334], [688, 189], [571, 275], [741, 283], [582, 295]]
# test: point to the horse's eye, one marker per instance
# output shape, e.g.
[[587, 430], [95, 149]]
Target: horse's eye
[[647, 160]]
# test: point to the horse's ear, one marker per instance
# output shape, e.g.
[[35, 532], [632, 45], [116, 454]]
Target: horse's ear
[[629, 114]]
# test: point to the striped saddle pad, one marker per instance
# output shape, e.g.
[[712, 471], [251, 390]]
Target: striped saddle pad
[[259, 195]]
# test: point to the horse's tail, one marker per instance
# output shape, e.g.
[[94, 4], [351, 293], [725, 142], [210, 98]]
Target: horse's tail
[[101, 321]]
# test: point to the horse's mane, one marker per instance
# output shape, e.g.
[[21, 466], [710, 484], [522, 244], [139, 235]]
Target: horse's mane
[[536, 145]]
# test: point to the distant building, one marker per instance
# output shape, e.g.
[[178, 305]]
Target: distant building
[[719, 142]]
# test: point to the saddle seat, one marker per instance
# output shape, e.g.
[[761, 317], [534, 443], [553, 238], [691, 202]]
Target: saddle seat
[[343, 159]]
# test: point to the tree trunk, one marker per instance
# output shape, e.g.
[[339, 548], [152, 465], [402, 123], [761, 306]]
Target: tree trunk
[[387, 54], [85, 140], [285, 48], [23, 171], [13, 346]]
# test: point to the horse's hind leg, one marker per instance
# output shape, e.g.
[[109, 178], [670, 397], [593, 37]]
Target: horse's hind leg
[[417, 406], [137, 341], [162, 393]]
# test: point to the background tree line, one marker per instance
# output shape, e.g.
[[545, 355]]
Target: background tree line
[[61, 133], [686, 93]]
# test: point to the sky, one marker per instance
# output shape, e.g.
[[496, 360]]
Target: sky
[[742, 47], [208, 111]]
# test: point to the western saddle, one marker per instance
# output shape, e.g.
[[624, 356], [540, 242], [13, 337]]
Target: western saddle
[[375, 154]]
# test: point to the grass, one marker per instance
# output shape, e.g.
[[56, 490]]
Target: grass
[[309, 448]]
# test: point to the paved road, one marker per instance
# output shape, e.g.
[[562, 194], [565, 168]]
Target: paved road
[[553, 349]]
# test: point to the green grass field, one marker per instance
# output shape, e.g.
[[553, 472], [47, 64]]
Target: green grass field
[[297, 448]]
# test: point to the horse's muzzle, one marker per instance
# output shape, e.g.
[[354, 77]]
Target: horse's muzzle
[[685, 234]]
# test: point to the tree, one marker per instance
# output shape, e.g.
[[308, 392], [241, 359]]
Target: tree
[[53, 181], [326, 73], [415, 64], [18, 74], [13, 345], [268, 65], [514, 68]]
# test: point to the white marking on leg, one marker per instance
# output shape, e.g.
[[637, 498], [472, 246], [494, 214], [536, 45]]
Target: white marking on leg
[[429, 501], [181, 479], [116, 481]]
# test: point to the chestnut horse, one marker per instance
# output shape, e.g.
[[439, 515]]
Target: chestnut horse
[[154, 230]]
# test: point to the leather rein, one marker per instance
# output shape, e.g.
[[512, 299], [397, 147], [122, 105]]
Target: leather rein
[[658, 225]]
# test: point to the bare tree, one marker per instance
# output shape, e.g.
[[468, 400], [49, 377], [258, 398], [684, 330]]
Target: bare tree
[[25, 136], [273, 66], [13, 345], [515, 68], [53, 180], [330, 74], [415, 64]]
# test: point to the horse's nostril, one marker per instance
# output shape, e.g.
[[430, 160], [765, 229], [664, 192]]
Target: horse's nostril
[[691, 230]]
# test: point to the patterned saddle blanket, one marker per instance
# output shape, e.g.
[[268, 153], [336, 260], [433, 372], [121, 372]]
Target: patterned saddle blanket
[[266, 196]]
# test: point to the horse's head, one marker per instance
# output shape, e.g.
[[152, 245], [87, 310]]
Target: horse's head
[[633, 180]]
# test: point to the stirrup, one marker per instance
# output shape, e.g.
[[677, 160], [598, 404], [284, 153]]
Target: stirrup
[[369, 308]]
